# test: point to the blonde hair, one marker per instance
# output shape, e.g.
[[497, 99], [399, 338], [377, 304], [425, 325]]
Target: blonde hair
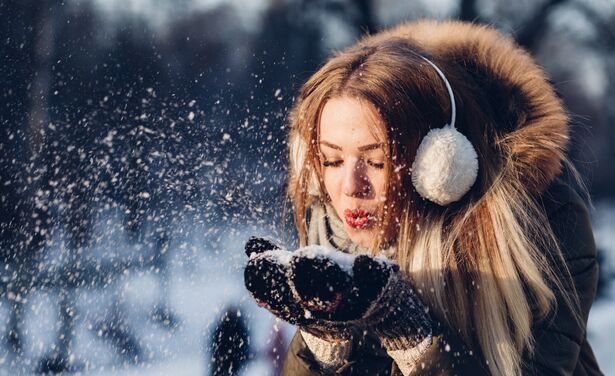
[[483, 264]]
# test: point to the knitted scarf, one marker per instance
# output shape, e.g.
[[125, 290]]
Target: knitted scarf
[[326, 228]]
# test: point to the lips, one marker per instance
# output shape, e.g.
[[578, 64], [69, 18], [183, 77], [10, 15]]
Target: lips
[[357, 218]]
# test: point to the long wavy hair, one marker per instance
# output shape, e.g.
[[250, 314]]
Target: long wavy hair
[[482, 264]]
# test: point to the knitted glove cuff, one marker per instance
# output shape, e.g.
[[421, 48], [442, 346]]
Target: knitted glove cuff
[[330, 331], [329, 355], [407, 359], [401, 320], [400, 342]]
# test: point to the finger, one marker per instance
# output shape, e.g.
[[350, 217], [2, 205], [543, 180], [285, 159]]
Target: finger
[[319, 283], [371, 276], [259, 245]]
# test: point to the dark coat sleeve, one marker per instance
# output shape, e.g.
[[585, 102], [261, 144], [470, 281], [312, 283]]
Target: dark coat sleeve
[[448, 356], [561, 346]]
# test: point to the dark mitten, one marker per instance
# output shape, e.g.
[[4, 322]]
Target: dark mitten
[[365, 291], [260, 245], [266, 277]]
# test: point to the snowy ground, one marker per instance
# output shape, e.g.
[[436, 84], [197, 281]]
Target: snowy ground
[[601, 331], [200, 285], [601, 326]]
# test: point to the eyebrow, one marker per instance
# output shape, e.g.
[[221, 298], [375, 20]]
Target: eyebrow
[[361, 148]]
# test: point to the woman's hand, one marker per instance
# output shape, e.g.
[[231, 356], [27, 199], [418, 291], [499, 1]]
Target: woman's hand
[[326, 292], [266, 276]]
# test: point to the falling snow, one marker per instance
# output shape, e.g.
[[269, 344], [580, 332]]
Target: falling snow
[[135, 161]]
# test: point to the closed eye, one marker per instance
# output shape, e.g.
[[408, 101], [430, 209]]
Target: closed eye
[[378, 165], [337, 163], [332, 163]]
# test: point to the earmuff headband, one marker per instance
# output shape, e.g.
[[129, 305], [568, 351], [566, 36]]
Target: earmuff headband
[[446, 164], [448, 88]]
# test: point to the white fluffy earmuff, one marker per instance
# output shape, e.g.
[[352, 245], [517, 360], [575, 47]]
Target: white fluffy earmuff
[[446, 164]]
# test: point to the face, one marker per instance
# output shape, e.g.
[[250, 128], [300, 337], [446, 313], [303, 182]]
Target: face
[[353, 161]]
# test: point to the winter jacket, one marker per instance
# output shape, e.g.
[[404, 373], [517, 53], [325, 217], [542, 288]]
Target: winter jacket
[[561, 343], [530, 132]]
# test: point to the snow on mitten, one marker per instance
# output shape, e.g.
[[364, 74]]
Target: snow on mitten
[[260, 245], [266, 280], [369, 292], [266, 277]]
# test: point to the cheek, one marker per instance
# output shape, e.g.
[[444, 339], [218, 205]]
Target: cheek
[[378, 181], [332, 180]]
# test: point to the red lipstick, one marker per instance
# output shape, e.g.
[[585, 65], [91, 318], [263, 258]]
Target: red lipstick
[[357, 218]]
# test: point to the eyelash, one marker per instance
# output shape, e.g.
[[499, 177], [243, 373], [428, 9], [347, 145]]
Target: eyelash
[[338, 163]]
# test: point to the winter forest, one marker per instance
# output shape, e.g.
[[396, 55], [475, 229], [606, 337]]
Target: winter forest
[[142, 142]]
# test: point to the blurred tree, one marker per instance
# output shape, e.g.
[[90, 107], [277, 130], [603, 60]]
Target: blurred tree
[[468, 11], [284, 51], [186, 121], [27, 29], [230, 344], [276, 349]]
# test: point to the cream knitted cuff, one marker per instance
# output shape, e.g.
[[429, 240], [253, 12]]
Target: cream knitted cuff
[[329, 355], [408, 359]]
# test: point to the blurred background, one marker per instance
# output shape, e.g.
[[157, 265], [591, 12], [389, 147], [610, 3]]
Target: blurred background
[[143, 141]]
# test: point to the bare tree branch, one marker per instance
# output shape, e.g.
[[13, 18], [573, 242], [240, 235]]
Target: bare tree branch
[[604, 27], [533, 30], [366, 16], [468, 11], [359, 13]]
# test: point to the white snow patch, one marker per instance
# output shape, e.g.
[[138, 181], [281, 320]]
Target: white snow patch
[[280, 256], [344, 260]]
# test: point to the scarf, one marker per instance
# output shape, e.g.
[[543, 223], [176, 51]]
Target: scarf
[[326, 228]]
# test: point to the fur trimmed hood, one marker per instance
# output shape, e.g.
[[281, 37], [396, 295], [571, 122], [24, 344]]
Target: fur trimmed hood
[[531, 124]]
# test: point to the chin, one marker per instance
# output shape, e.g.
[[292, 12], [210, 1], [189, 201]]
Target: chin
[[362, 238]]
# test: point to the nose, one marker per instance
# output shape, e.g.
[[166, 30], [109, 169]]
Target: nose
[[356, 182]]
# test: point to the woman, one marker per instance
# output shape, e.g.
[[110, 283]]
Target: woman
[[441, 147]]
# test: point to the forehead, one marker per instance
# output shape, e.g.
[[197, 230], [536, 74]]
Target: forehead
[[350, 122]]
